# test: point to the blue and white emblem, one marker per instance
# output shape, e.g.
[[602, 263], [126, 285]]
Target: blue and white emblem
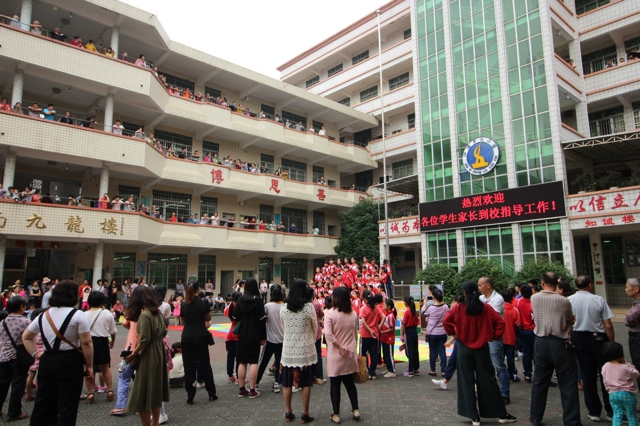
[[480, 156]]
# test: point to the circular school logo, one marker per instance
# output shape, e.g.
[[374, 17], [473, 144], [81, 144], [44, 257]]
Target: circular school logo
[[480, 156]]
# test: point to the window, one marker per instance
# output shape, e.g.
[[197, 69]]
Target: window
[[269, 111], [345, 102], [206, 269], [177, 140], [495, 244], [542, 240], [180, 82], [293, 269], [318, 222], [312, 81], [130, 128], [213, 92], [364, 179], [636, 114], [211, 148], [294, 118], [334, 70], [360, 57], [124, 266], [595, 61], [266, 214], [607, 122], [362, 138], [265, 271], [407, 33], [167, 269], [369, 93], [268, 161], [208, 206], [583, 6], [125, 192], [399, 81], [297, 170], [297, 216], [443, 248], [332, 230], [402, 168], [317, 125], [171, 202], [411, 120], [318, 172]]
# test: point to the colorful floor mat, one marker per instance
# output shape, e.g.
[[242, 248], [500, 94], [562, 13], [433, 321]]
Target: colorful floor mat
[[221, 330]]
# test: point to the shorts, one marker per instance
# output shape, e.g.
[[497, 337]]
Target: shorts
[[101, 351], [299, 377]]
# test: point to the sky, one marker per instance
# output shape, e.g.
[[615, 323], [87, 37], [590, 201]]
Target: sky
[[259, 35]]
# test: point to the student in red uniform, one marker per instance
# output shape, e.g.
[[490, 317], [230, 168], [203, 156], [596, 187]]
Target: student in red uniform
[[527, 337], [372, 267], [318, 276], [365, 264], [388, 337], [512, 320], [409, 335], [354, 268], [332, 267], [369, 332]]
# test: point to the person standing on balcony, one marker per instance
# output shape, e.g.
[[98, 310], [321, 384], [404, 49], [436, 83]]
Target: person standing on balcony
[[118, 128], [90, 46]]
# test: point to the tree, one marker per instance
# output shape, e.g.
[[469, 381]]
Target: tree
[[534, 268], [359, 232], [436, 273], [475, 269]]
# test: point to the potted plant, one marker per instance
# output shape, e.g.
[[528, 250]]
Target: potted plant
[[612, 179], [583, 182]]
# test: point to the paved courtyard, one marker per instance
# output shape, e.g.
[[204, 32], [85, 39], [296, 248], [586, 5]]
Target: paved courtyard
[[400, 401]]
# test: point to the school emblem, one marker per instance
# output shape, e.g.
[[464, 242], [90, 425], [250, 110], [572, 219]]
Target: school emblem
[[480, 156]]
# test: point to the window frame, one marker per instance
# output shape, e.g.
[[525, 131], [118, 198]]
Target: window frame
[[355, 59], [399, 81], [312, 81], [368, 94], [335, 70]]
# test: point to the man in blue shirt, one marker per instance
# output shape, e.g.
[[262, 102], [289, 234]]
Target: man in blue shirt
[[49, 112]]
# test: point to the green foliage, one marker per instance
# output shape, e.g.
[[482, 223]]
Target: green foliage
[[359, 232], [535, 268], [436, 273], [475, 269]]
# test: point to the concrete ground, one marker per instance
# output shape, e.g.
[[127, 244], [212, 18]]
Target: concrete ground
[[405, 401]]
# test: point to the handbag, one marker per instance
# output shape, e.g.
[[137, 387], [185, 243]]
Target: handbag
[[236, 329], [61, 337], [362, 375], [134, 364], [22, 355]]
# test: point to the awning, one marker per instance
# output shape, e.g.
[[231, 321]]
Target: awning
[[407, 185], [609, 148]]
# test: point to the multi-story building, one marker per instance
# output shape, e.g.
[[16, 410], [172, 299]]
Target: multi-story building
[[83, 158], [520, 105]]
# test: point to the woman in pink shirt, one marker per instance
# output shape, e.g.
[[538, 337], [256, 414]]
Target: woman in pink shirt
[[341, 332]]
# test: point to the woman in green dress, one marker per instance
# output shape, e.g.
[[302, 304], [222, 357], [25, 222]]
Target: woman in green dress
[[151, 382]]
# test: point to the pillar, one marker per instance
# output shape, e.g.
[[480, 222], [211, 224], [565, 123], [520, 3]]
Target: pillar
[[25, 14], [97, 264], [104, 180], [9, 169], [108, 113], [18, 84], [115, 39], [3, 250]]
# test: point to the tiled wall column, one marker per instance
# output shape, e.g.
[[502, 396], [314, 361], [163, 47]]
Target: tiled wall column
[[9, 169], [115, 38], [25, 14], [104, 181], [517, 246], [97, 264], [108, 113], [18, 84]]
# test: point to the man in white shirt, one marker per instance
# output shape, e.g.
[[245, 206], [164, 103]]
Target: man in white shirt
[[592, 329], [493, 299], [118, 128]]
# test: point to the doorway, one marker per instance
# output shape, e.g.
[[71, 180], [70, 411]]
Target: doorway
[[226, 282]]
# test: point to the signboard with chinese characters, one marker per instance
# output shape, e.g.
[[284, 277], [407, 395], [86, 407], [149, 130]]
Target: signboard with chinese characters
[[535, 202], [409, 225], [604, 208]]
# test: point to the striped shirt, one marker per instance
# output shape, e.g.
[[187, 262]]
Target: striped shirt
[[552, 314]]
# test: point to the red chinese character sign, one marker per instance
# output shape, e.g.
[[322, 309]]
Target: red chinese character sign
[[216, 176], [321, 195], [533, 202]]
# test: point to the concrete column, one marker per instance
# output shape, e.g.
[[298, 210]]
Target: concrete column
[[97, 264], [104, 180], [18, 84], [25, 14], [115, 38], [9, 169], [3, 250], [582, 117], [108, 113]]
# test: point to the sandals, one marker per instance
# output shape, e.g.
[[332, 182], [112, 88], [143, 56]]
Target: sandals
[[83, 397], [91, 398], [335, 418], [110, 395], [120, 412], [356, 415]]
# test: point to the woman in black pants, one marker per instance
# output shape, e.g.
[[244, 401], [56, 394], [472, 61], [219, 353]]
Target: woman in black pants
[[195, 316]]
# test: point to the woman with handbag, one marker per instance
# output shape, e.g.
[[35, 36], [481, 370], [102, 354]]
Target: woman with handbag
[[298, 348], [67, 343], [196, 337], [14, 359], [341, 332], [149, 359]]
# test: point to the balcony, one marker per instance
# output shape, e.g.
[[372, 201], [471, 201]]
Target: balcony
[[607, 18], [393, 99], [568, 133], [392, 56], [612, 82], [569, 78], [31, 137], [396, 145], [79, 224], [139, 92]]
